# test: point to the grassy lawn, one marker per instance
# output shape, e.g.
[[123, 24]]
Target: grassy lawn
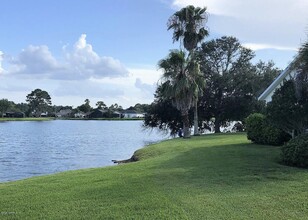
[[26, 119], [206, 177]]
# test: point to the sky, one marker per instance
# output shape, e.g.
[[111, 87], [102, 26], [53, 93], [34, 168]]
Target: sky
[[108, 50]]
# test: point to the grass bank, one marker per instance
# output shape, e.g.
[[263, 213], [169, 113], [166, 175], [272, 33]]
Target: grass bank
[[206, 177], [26, 119]]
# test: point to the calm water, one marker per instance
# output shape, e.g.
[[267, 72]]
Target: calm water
[[36, 148]]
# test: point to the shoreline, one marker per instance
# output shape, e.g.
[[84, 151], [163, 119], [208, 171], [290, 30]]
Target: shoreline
[[69, 119]]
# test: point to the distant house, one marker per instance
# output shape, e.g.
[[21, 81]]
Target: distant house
[[64, 113], [14, 115], [102, 113], [44, 114], [132, 114], [288, 73], [98, 113], [79, 115], [116, 114]]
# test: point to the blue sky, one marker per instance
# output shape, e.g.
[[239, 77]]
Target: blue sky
[[109, 49]]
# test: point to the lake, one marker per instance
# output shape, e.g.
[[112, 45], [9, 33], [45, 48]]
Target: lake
[[29, 148]]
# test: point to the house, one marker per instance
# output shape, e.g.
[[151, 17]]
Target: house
[[64, 113], [103, 113], [79, 115], [14, 115], [287, 74], [132, 114], [98, 113]]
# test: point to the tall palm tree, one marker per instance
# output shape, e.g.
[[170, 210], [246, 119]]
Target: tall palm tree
[[188, 26], [179, 85]]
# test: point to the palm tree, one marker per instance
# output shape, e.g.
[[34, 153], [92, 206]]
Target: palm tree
[[188, 26], [180, 85]]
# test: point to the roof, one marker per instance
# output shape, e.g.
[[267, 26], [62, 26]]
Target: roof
[[277, 82]]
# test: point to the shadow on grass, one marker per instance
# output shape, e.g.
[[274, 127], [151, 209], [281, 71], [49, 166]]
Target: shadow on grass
[[227, 165]]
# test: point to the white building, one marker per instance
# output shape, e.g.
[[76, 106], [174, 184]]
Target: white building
[[132, 114]]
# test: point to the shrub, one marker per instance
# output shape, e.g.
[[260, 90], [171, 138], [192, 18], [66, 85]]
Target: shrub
[[295, 152], [260, 131]]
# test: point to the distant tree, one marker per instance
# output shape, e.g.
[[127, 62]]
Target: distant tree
[[141, 108], [86, 107], [101, 105], [23, 107], [38, 101], [4, 106]]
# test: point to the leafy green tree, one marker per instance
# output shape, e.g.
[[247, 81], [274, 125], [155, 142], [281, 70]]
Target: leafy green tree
[[38, 101], [288, 112], [229, 77], [23, 107], [4, 106], [264, 75], [86, 107], [188, 25], [289, 106]]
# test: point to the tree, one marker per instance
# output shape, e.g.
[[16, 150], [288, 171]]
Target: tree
[[229, 76], [85, 107], [178, 85], [264, 73], [289, 106], [38, 101], [23, 107], [4, 106], [101, 105], [163, 115], [288, 112], [188, 26]]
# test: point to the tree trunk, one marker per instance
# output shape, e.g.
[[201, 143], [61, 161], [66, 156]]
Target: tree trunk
[[186, 129], [196, 127], [217, 125]]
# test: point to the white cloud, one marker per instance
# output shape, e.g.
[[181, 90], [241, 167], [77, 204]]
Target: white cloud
[[260, 22], [147, 89], [34, 60], [1, 59], [254, 46], [82, 62], [87, 89], [86, 61]]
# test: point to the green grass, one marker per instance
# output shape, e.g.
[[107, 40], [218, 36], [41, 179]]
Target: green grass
[[206, 177], [26, 119]]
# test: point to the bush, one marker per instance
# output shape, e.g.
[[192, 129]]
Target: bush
[[260, 131], [295, 152]]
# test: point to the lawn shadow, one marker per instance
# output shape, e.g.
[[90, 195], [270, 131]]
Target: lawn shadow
[[234, 165]]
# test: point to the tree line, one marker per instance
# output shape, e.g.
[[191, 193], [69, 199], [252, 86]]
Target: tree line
[[38, 104]]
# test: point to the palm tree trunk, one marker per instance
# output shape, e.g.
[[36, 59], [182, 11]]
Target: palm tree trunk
[[186, 129], [196, 127]]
